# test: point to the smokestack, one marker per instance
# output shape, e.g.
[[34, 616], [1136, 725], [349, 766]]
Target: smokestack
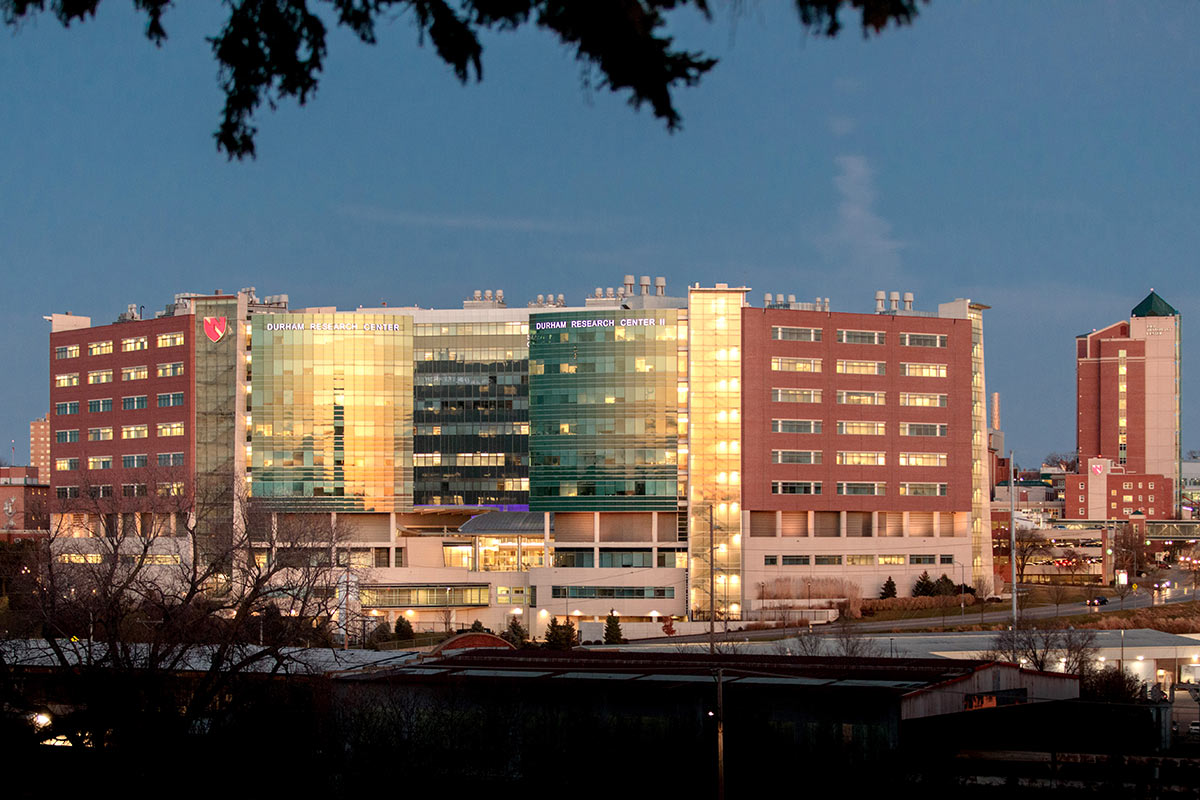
[[880, 301], [995, 411]]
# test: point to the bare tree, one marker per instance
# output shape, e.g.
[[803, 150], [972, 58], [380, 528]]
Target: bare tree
[[160, 583], [1059, 593], [1030, 543], [1070, 650], [1069, 462]]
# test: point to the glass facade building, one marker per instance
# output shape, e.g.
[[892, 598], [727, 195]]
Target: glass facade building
[[332, 398], [603, 411], [471, 408]]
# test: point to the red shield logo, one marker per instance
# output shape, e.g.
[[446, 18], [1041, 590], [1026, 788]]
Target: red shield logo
[[1097, 468], [215, 327]]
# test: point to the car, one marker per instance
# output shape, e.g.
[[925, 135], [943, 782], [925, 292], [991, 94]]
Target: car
[[1098, 600], [1194, 730]]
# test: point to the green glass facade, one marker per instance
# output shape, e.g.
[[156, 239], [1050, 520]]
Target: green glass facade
[[332, 412], [603, 411]]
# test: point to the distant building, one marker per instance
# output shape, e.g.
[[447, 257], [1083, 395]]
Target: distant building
[[39, 446], [1127, 379], [24, 509]]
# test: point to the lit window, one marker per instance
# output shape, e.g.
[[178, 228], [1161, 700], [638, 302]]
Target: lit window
[[100, 434], [134, 343], [174, 339], [786, 334], [796, 395], [780, 364], [67, 351], [923, 400], [68, 379], [862, 398], [861, 367], [170, 489], [892, 560], [795, 456], [922, 459], [854, 458], [99, 462], [827, 561], [861, 428], [795, 426], [99, 348], [923, 429], [134, 432], [66, 464], [100, 376], [860, 560], [172, 370], [922, 370], [923, 489], [860, 337], [170, 429], [134, 373]]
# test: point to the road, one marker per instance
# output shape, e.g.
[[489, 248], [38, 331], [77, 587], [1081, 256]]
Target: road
[[1000, 612]]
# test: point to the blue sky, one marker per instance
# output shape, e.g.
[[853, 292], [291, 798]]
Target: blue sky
[[1039, 158]]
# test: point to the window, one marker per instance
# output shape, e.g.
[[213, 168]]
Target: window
[[170, 459], [66, 409], [574, 558], [64, 492], [827, 561], [170, 489], [99, 406], [780, 364], [67, 351], [892, 559], [795, 426], [134, 462], [923, 429], [860, 458], [947, 558], [170, 429], [624, 592], [795, 456], [860, 428], [862, 398], [66, 437], [66, 464], [104, 490], [922, 400], [860, 337], [923, 340], [861, 367], [923, 489], [860, 560], [510, 595], [99, 462], [134, 343], [770, 561], [66, 379], [922, 459], [626, 558], [134, 432], [861, 488], [133, 490], [174, 339], [922, 559], [99, 348], [910, 370], [133, 402], [100, 376], [795, 561], [170, 399], [795, 487], [135, 373], [675, 559], [796, 395], [99, 434], [786, 334], [171, 370]]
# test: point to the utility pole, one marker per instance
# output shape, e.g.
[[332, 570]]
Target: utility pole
[[720, 735], [1012, 530], [712, 590]]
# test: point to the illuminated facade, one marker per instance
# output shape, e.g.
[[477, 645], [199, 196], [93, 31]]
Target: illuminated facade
[[657, 456]]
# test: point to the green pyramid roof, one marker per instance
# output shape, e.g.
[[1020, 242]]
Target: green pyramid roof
[[1153, 306]]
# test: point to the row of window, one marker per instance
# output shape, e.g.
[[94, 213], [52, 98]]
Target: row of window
[[625, 592], [162, 488], [130, 345], [857, 398], [585, 557], [858, 458], [171, 369], [877, 488], [135, 461], [856, 427], [127, 432], [134, 402], [849, 367], [856, 560], [785, 333]]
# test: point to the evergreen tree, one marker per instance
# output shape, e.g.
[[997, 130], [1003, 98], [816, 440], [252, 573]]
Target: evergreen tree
[[924, 586], [944, 586], [404, 629], [888, 590], [476, 627], [560, 636], [380, 634], [612, 629], [515, 634]]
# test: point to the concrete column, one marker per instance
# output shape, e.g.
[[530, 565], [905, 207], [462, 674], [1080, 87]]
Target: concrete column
[[842, 524], [596, 538], [875, 524], [904, 524], [812, 523], [654, 526], [778, 524], [937, 524]]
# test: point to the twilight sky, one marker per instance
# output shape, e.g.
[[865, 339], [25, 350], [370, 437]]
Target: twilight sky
[[1037, 157]]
